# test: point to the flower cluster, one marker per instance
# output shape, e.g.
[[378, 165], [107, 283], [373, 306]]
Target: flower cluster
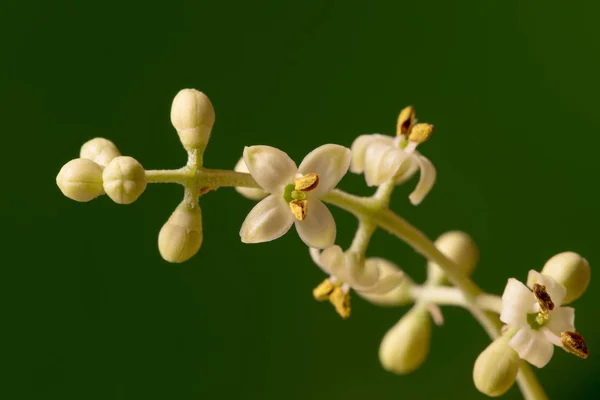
[[534, 315]]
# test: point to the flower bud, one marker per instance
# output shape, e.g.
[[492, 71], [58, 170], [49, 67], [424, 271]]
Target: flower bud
[[570, 270], [399, 296], [250, 193], [405, 346], [193, 115], [496, 368], [80, 179], [124, 179], [99, 150], [458, 247], [181, 236]]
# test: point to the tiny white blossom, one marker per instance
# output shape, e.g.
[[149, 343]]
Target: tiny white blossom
[[538, 315], [382, 157], [344, 268], [294, 194]]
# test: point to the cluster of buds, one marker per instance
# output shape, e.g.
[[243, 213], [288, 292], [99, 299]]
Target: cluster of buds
[[101, 169]]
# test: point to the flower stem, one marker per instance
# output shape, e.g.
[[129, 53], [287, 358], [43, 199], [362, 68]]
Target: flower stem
[[444, 295]]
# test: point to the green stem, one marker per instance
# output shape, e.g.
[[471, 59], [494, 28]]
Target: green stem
[[445, 295], [201, 177]]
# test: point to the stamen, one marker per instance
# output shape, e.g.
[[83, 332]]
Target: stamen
[[299, 209], [307, 182], [406, 120], [420, 133], [322, 292], [575, 344], [543, 298], [341, 302]]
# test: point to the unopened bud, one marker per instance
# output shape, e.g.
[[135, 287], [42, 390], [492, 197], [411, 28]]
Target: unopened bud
[[80, 180], [406, 346], [496, 368], [399, 295], [99, 150], [250, 193], [124, 180], [181, 236], [193, 115], [570, 270], [460, 249]]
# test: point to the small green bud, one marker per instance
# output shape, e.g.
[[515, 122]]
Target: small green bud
[[124, 179], [496, 368], [181, 236], [193, 116], [458, 247], [99, 150], [406, 346], [80, 180], [250, 193], [399, 296], [570, 270]]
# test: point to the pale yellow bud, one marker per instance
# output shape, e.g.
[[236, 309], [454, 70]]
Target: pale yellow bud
[[181, 236], [193, 115], [250, 193], [496, 368], [406, 346], [459, 248], [99, 150], [570, 270], [80, 180], [124, 180], [399, 296]]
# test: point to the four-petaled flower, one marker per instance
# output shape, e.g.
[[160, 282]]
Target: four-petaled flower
[[294, 193], [383, 157], [537, 314]]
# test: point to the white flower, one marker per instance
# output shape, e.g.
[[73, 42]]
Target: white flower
[[540, 320], [344, 269], [294, 193], [383, 157]]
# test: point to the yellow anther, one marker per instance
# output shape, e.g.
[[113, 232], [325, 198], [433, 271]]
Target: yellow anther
[[543, 298], [299, 209], [322, 292], [341, 302], [420, 133], [306, 183], [575, 344], [406, 120]]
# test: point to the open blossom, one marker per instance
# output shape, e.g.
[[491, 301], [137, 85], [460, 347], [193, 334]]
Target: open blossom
[[541, 321], [383, 157], [294, 194]]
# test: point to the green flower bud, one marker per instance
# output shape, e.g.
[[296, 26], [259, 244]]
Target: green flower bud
[[181, 236], [496, 368], [406, 346], [399, 296], [458, 247], [193, 115], [570, 270], [250, 193], [124, 180], [80, 180], [99, 150]]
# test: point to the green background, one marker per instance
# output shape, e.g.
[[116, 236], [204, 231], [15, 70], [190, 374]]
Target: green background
[[91, 311]]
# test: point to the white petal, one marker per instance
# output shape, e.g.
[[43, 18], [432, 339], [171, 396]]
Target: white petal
[[517, 301], [407, 169], [532, 346], [361, 274], [250, 193], [334, 262], [384, 285], [382, 162], [556, 291], [330, 162], [269, 219], [318, 228], [426, 180], [561, 319], [271, 168], [359, 148], [315, 254]]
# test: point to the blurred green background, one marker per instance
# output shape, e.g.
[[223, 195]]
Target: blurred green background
[[91, 311]]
